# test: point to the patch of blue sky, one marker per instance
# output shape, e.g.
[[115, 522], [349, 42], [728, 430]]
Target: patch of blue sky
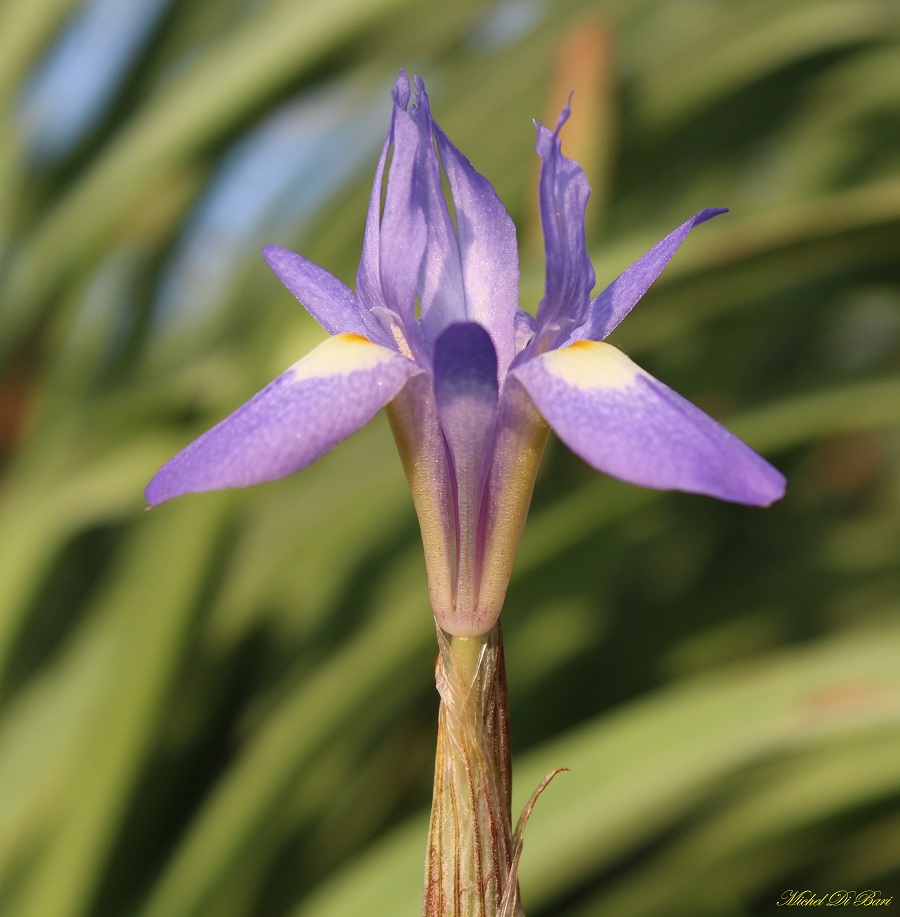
[[270, 186], [67, 94]]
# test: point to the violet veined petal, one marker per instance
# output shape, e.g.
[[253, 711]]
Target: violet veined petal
[[488, 251], [466, 393], [487, 245], [442, 293], [564, 193], [618, 299], [624, 422], [327, 300], [368, 275], [297, 418], [404, 234]]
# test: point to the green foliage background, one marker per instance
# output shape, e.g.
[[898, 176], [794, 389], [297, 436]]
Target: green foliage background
[[225, 707]]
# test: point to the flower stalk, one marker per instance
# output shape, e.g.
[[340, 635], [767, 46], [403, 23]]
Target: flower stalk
[[469, 870]]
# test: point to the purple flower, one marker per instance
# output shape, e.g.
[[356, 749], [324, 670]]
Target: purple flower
[[471, 382]]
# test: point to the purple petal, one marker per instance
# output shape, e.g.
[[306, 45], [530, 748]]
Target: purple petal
[[368, 276], [466, 392], [564, 193], [487, 245], [294, 420], [326, 299], [618, 299], [443, 294], [404, 234], [624, 422], [395, 234], [490, 259]]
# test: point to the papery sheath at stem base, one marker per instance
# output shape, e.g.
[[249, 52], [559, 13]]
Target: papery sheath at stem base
[[470, 845]]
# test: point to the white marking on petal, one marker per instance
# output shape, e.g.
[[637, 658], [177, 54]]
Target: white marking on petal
[[592, 365], [339, 356]]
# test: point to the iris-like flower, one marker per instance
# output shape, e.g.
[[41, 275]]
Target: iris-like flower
[[471, 381]]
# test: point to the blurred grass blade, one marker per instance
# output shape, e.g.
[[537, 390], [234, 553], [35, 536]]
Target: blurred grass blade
[[25, 27], [149, 605], [708, 865], [279, 41], [674, 89], [44, 506], [244, 804]]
